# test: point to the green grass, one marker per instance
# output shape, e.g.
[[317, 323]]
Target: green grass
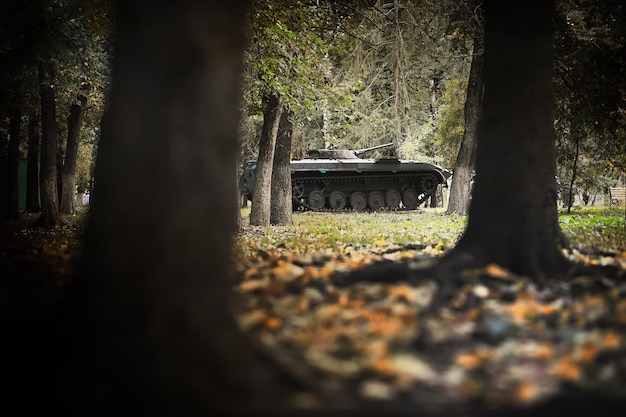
[[594, 229]]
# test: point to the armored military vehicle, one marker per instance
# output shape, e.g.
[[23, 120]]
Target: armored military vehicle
[[338, 179]]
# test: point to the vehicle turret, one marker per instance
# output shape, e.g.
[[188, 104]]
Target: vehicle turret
[[344, 153]]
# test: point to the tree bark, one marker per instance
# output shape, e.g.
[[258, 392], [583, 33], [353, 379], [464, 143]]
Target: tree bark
[[154, 284], [261, 195], [68, 172], [460, 189], [281, 202], [570, 195], [513, 219], [397, 72], [12, 211], [50, 214], [32, 168]]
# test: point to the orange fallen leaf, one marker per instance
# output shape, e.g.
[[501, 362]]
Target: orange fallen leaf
[[328, 311], [543, 352], [523, 310], [325, 271], [594, 301], [303, 305], [343, 300], [273, 323], [468, 360], [547, 309], [287, 271], [526, 393], [611, 340], [382, 365], [403, 291], [567, 369], [253, 284], [586, 353], [378, 349], [496, 271], [390, 326]]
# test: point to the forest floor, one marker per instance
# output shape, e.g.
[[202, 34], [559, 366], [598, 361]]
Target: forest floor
[[500, 341]]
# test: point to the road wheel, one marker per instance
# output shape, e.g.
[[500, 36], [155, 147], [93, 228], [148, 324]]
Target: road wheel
[[410, 199], [316, 200], [358, 201], [393, 198], [297, 189], [376, 200], [337, 200]]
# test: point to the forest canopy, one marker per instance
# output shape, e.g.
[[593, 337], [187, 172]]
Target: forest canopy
[[353, 75]]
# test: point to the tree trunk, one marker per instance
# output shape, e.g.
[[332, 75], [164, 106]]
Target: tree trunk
[[570, 194], [50, 215], [513, 219], [460, 189], [261, 195], [397, 72], [4, 170], [281, 203], [32, 168], [13, 208], [154, 284], [68, 172]]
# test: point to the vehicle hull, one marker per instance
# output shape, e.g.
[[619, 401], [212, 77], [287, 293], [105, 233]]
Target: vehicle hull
[[360, 184]]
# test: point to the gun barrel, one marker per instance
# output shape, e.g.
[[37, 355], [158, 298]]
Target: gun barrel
[[373, 148]]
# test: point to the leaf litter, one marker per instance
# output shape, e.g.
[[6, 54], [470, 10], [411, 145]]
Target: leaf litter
[[499, 341]]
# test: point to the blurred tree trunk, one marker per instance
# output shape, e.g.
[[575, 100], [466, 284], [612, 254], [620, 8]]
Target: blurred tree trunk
[[281, 203], [12, 211], [68, 171], [50, 214], [261, 195], [4, 170], [153, 291], [513, 219], [32, 168], [460, 189]]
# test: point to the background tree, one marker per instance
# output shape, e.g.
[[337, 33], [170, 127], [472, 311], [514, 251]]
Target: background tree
[[50, 214], [12, 211], [285, 65], [460, 189], [281, 201], [516, 147], [393, 72], [32, 166], [70, 38], [261, 195], [68, 172], [589, 86]]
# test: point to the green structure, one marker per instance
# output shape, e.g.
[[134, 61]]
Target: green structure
[[21, 183]]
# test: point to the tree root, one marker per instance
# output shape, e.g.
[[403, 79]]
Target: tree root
[[450, 272]]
